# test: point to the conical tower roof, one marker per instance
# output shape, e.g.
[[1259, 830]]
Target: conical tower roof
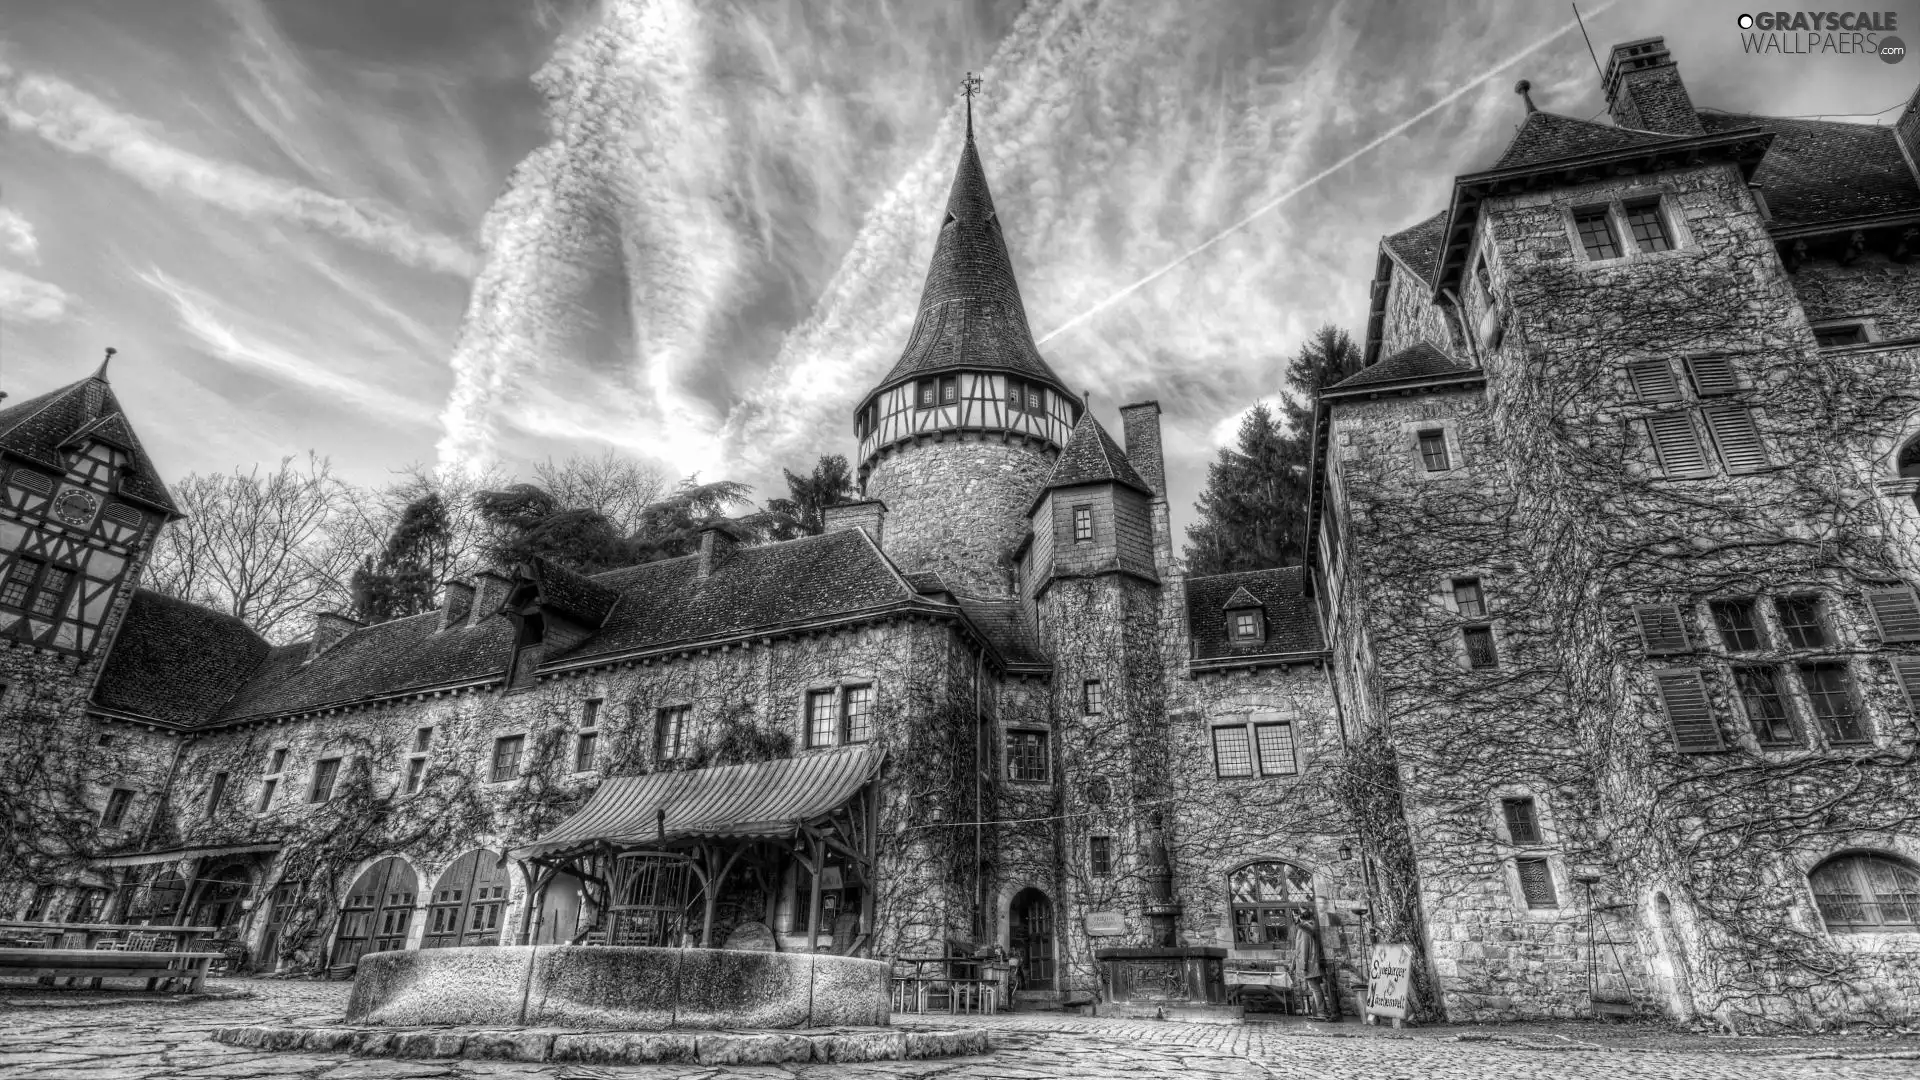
[[970, 313]]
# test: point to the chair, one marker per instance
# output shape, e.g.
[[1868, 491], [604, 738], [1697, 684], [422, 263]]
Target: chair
[[110, 944]]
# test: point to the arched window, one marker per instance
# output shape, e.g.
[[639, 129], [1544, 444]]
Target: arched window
[[1267, 900], [1863, 893], [1909, 459]]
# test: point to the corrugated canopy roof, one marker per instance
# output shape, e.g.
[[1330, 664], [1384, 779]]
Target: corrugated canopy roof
[[768, 799]]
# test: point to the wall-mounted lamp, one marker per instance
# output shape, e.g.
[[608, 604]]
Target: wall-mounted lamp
[[1346, 853], [937, 814]]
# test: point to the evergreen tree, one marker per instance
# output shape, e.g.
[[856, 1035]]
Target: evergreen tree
[[671, 527], [1253, 509], [406, 578], [528, 522], [803, 512]]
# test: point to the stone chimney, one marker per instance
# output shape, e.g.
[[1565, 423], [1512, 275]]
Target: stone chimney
[[1907, 131], [717, 540], [1644, 90], [456, 603], [489, 591], [1140, 427], [866, 514], [328, 628]]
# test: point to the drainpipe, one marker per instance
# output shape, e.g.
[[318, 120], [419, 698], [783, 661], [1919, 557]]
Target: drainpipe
[[980, 745]]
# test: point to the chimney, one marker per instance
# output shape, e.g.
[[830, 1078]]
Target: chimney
[[328, 628], [1140, 426], [1906, 131], [1644, 90], [716, 541], [489, 592], [456, 602], [866, 514]]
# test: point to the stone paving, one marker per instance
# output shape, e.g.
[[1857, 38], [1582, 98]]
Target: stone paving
[[55, 1037]]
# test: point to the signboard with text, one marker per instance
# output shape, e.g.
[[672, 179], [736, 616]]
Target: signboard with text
[[1105, 924], [1388, 975]]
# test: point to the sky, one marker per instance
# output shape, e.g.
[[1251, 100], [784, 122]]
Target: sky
[[459, 232]]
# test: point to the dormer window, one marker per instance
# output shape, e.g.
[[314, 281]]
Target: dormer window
[[1246, 618], [1245, 625]]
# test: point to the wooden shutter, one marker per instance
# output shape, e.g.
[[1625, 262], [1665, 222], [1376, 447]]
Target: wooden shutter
[[1653, 380], [1907, 670], [1663, 629], [1685, 698], [1677, 444], [1736, 437], [1896, 612], [1712, 375]]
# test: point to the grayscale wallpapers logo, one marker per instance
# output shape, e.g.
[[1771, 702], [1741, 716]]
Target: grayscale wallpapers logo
[[1809, 33]]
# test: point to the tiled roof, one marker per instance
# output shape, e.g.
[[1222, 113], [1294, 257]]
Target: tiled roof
[[1292, 623], [176, 661], [1821, 171], [1418, 361], [1092, 457], [1419, 246], [36, 428], [925, 582], [1546, 137], [1241, 598], [764, 799], [660, 604], [1004, 624], [970, 310], [574, 595]]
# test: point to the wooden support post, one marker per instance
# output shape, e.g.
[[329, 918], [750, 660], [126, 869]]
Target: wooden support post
[[813, 902]]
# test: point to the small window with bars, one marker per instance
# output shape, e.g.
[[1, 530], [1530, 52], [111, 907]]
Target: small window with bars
[[670, 733], [1801, 623], [1481, 652], [1597, 238], [1738, 623], [1100, 856], [1536, 882], [1026, 755], [856, 714], [1830, 698], [1522, 817], [1647, 226], [1840, 335], [1765, 706], [506, 758], [820, 718], [1434, 457]]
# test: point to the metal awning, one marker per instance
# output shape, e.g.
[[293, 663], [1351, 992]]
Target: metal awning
[[148, 858], [764, 800]]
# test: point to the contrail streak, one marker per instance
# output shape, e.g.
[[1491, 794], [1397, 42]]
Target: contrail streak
[[1277, 201]]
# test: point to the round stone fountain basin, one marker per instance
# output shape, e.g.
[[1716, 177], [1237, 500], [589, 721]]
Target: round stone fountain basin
[[616, 989]]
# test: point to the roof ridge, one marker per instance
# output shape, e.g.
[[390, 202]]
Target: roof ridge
[[1090, 456]]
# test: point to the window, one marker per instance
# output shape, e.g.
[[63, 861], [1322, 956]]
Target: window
[[820, 718], [1596, 233], [1093, 697], [1830, 693], [1536, 882], [1246, 625], [19, 582], [115, 814], [1433, 451], [325, 772], [583, 747], [1480, 650], [590, 713], [1082, 524], [1663, 629], [278, 762], [267, 787], [1468, 600], [1685, 699], [1274, 742], [1523, 821], [1739, 626], [1862, 893], [1100, 856], [1800, 621], [1649, 231], [506, 758], [53, 589], [1270, 903], [1026, 755], [1677, 446], [1267, 744], [949, 390], [856, 714], [1834, 337], [670, 732], [215, 792], [1765, 706], [1025, 397], [422, 739], [416, 774], [1232, 752], [926, 393]]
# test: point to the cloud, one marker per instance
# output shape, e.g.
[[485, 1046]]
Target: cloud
[[27, 300], [216, 334], [66, 117], [16, 236]]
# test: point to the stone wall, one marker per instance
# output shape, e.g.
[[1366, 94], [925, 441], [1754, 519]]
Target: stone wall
[[957, 505]]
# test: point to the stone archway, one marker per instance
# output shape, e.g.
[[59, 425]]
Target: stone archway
[[1030, 939]]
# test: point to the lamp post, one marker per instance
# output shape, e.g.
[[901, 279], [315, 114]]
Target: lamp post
[[1587, 880]]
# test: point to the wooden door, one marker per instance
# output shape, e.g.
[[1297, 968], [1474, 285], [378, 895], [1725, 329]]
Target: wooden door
[[377, 913], [465, 906], [1031, 937]]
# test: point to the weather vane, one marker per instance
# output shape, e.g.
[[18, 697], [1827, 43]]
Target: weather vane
[[970, 86]]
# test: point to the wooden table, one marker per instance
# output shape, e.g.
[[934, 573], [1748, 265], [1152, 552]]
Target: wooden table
[[92, 932], [94, 965]]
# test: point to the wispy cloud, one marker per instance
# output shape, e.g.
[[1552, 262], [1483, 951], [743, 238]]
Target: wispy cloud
[[16, 236], [216, 332], [67, 117], [30, 300]]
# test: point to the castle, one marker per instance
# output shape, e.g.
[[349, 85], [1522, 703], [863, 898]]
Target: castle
[[1594, 691]]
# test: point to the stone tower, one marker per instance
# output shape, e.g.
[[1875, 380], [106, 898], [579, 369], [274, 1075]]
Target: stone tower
[[958, 438]]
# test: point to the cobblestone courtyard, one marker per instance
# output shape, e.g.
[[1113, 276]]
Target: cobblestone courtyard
[[60, 1038]]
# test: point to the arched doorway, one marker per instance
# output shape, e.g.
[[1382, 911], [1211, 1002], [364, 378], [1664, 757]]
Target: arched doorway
[[1030, 938], [465, 906], [219, 897], [377, 911], [1673, 956]]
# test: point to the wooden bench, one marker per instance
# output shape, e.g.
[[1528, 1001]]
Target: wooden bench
[[94, 965]]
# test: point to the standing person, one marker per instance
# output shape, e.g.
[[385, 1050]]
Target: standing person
[[1308, 971]]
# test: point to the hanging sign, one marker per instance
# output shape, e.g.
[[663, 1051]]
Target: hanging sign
[[1105, 924], [1388, 975]]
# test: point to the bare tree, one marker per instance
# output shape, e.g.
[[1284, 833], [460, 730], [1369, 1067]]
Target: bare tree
[[618, 488], [259, 546]]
